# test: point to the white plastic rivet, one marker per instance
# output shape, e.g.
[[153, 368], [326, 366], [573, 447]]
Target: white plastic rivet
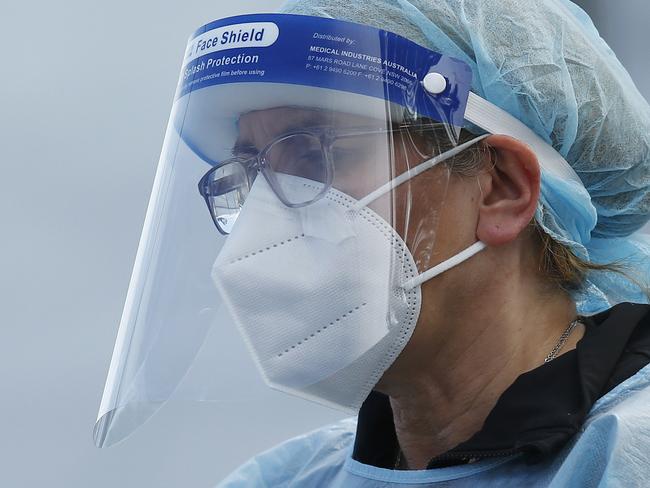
[[434, 83]]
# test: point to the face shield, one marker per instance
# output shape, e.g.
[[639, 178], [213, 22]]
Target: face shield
[[296, 202]]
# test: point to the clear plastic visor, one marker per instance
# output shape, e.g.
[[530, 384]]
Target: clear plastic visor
[[223, 142]]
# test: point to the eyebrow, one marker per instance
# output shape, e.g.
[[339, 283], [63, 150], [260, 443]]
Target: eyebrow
[[311, 119], [244, 147]]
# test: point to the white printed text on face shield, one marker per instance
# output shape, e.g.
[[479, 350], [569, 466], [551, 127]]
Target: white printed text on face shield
[[215, 62], [251, 34]]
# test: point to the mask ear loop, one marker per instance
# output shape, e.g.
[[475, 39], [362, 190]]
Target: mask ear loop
[[403, 178], [445, 265]]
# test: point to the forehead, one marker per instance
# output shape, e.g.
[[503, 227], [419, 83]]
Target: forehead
[[258, 127]]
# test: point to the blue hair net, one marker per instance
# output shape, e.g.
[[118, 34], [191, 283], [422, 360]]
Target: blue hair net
[[545, 63]]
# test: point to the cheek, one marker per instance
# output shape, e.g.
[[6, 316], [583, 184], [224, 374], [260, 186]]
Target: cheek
[[441, 220], [458, 220], [422, 228], [359, 176]]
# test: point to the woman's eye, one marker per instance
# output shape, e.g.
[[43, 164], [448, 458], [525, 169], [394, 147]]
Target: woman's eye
[[348, 160], [311, 156]]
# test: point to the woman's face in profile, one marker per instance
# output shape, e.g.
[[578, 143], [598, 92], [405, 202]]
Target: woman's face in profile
[[361, 163]]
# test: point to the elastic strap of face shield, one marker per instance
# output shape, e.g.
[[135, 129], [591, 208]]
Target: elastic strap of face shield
[[494, 120]]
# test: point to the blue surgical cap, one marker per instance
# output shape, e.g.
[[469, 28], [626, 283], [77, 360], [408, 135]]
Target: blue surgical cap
[[545, 63]]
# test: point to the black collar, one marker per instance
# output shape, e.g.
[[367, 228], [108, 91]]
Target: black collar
[[543, 408]]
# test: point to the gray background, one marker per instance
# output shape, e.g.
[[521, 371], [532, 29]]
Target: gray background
[[85, 94]]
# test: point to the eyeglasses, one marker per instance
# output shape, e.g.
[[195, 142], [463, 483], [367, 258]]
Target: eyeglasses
[[305, 153]]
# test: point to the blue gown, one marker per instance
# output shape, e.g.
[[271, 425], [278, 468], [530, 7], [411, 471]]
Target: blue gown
[[611, 450]]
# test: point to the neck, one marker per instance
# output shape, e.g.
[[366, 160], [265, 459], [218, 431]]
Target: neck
[[470, 359]]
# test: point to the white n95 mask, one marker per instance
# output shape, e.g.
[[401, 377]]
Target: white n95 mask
[[320, 306], [326, 295]]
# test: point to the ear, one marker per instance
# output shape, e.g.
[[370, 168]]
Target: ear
[[509, 191]]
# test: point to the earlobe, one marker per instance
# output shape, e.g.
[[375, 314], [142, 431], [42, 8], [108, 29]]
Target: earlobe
[[510, 191]]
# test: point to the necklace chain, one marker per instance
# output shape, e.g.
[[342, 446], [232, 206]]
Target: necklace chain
[[563, 338], [551, 356], [398, 462]]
